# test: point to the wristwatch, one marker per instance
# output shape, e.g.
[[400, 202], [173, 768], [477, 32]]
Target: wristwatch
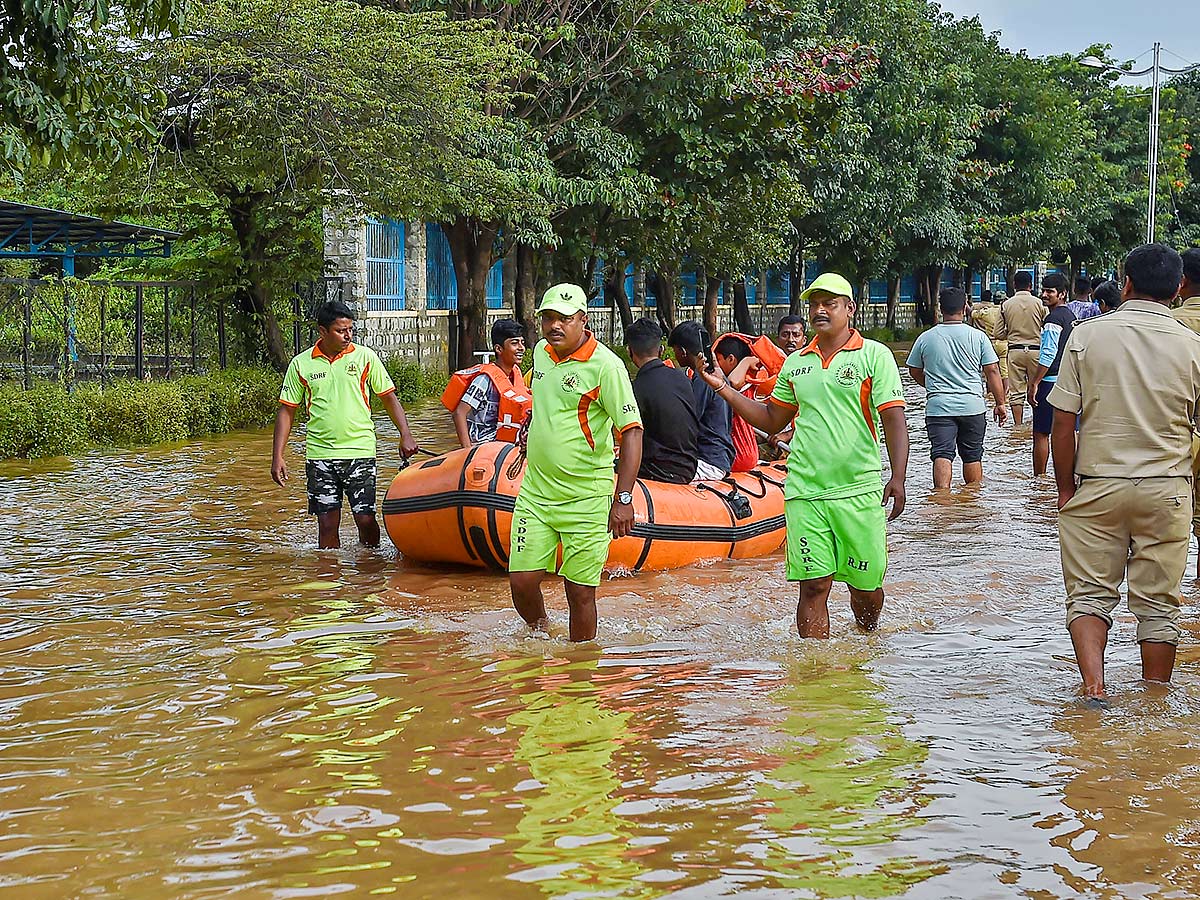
[[625, 497]]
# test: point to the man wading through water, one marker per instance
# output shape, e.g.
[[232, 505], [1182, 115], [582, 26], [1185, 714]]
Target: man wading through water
[[1124, 485], [335, 379], [838, 388], [581, 392]]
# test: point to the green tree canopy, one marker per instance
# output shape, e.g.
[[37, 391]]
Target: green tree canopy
[[277, 108], [60, 96]]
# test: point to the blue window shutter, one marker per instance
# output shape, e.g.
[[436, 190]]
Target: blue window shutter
[[385, 265], [441, 283]]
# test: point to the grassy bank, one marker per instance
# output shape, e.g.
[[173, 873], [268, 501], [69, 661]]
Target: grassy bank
[[414, 383], [48, 421]]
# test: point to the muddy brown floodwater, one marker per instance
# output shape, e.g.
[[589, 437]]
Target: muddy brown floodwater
[[196, 703]]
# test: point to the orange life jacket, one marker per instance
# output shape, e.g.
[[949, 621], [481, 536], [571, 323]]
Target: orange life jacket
[[770, 358], [515, 401]]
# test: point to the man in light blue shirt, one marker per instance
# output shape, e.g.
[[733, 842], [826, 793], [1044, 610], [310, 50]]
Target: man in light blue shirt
[[948, 361]]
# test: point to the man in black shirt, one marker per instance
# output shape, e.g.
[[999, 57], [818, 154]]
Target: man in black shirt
[[715, 450], [664, 397], [1056, 329]]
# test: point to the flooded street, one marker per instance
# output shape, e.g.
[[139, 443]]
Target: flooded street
[[196, 703]]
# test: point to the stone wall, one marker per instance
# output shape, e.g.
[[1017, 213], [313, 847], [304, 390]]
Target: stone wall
[[420, 337], [424, 337], [415, 271], [607, 323], [346, 256]]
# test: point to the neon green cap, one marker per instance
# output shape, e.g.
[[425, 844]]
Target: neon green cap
[[831, 282], [565, 298]]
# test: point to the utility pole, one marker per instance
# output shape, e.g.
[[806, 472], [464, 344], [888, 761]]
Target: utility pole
[[1155, 70]]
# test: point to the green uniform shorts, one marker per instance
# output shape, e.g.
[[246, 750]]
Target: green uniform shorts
[[845, 538], [580, 527]]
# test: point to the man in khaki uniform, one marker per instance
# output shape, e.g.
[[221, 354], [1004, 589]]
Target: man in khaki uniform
[[1022, 314], [986, 315], [1189, 315], [1134, 377]]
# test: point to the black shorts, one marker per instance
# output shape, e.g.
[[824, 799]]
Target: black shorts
[[964, 433], [328, 479], [1043, 413]]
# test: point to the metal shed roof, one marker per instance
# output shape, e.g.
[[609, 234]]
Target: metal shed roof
[[34, 232]]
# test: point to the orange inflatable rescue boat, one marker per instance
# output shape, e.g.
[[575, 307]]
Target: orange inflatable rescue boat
[[457, 508]]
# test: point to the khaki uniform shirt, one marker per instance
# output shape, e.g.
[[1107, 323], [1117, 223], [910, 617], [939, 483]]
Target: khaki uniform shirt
[[1189, 313], [1134, 374], [988, 318], [1023, 316]]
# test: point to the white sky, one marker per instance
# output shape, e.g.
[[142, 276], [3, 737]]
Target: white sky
[[1068, 26]]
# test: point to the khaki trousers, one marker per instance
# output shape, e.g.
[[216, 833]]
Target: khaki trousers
[[1001, 348], [1022, 367], [1139, 526]]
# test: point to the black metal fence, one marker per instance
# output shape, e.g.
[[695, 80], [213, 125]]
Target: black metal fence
[[102, 330], [309, 295], [99, 330]]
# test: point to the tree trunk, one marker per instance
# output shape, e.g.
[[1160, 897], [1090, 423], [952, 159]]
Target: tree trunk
[[260, 296], [741, 308], [473, 249], [712, 289], [255, 299], [795, 278], [934, 274], [615, 296], [1010, 275], [664, 294], [525, 293], [928, 279], [893, 301]]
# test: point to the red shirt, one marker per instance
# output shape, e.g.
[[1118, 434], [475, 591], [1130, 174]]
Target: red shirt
[[745, 441]]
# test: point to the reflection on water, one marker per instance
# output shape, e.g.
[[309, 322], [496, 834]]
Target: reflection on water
[[569, 834], [846, 789], [1136, 798], [197, 703]]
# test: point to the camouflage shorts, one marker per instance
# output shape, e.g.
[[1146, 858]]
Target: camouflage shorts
[[328, 479]]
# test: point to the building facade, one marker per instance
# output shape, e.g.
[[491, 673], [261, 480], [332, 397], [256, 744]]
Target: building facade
[[400, 277]]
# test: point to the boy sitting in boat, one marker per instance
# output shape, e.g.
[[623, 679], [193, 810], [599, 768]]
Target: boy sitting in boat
[[490, 401], [752, 366], [689, 343]]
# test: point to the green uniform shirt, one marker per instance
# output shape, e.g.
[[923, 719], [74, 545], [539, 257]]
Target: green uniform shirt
[[336, 393], [835, 450], [577, 401]]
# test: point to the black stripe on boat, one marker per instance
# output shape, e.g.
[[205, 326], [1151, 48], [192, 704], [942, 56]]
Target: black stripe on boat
[[650, 519], [714, 534], [493, 530], [481, 546], [462, 483]]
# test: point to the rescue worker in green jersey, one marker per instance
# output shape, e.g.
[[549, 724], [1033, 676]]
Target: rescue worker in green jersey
[[841, 389], [570, 498], [334, 381]]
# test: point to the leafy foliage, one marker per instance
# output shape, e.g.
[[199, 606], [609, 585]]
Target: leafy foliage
[[48, 421], [884, 137], [59, 96]]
